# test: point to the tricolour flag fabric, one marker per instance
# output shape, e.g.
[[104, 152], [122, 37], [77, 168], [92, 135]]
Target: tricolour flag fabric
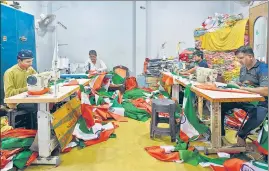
[[15, 150], [262, 142], [182, 153], [96, 81], [190, 127], [235, 164], [86, 108]]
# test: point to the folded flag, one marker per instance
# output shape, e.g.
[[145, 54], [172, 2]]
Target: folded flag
[[134, 113]]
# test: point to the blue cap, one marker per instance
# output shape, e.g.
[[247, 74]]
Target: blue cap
[[25, 54]]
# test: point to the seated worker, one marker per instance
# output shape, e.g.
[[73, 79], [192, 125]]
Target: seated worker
[[199, 61], [255, 72], [15, 80], [96, 64]]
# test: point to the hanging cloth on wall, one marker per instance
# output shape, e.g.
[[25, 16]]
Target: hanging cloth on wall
[[225, 39]]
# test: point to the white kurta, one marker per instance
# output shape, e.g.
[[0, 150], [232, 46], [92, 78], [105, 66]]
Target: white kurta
[[98, 66]]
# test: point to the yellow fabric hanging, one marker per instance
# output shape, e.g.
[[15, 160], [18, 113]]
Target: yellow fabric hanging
[[225, 39]]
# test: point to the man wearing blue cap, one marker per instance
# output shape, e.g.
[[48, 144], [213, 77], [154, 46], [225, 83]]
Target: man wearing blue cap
[[15, 79]]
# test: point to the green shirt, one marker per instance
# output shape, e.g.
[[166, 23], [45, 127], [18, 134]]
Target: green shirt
[[15, 81]]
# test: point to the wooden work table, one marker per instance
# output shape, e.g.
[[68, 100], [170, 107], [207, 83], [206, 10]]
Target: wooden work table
[[64, 92], [215, 98], [46, 142]]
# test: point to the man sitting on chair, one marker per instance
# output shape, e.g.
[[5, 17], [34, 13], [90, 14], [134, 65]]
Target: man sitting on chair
[[256, 73], [95, 64], [199, 62], [15, 80]]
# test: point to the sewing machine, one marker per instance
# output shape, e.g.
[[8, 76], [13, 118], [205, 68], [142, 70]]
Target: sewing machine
[[206, 75], [38, 82]]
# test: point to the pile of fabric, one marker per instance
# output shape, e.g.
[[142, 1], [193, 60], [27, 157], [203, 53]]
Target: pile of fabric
[[192, 129], [225, 63], [222, 32], [186, 55], [235, 118], [212, 23], [98, 105], [15, 144], [135, 103]]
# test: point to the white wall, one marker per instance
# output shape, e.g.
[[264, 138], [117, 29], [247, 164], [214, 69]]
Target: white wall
[[174, 21], [108, 28], [104, 26], [237, 8], [140, 35], [171, 21]]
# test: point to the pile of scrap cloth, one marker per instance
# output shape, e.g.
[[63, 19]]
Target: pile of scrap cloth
[[99, 104], [191, 129], [225, 63], [213, 23], [15, 147], [222, 33]]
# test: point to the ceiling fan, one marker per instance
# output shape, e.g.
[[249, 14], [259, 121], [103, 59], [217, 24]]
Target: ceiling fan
[[43, 25]]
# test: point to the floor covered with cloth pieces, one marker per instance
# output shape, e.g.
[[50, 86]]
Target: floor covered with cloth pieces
[[112, 133], [125, 152]]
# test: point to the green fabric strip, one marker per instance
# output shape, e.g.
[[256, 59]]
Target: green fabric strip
[[21, 159], [134, 113], [12, 143]]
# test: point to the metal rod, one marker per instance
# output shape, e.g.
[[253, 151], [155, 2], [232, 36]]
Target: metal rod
[[134, 39], [61, 25]]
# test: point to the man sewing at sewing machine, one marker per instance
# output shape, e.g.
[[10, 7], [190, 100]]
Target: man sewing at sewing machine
[[95, 64], [253, 78], [15, 80], [198, 57], [199, 62]]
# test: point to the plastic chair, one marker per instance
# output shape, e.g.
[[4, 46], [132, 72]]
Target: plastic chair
[[124, 73]]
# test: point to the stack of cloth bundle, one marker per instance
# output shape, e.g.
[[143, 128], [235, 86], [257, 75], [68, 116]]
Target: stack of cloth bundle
[[212, 23], [225, 63], [153, 67]]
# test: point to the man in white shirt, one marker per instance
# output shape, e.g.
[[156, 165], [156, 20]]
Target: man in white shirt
[[95, 64]]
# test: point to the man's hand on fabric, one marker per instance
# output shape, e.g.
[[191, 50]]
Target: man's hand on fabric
[[263, 91]]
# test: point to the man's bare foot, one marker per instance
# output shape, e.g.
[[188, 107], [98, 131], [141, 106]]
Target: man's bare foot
[[241, 142]]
